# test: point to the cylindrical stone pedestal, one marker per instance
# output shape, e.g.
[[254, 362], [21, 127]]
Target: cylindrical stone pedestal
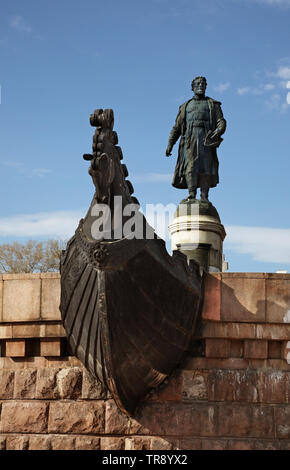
[[196, 230]]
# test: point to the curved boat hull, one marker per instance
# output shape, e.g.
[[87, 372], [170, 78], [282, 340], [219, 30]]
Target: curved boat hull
[[129, 308], [130, 317]]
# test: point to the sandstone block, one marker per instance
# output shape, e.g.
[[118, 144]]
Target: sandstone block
[[5, 331], [54, 330], [15, 348], [92, 388], [243, 299], [20, 276], [50, 299], [214, 329], [21, 300], [272, 386], [135, 427], [243, 275], [279, 364], [256, 349], [247, 444], [212, 299], [63, 442], [274, 349], [69, 382], [284, 445], [241, 330], [267, 445], [217, 347], [237, 420], [285, 353], [24, 417], [157, 443], [194, 385], [87, 443], [232, 385], [17, 443], [50, 275], [25, 383], [137, 443], [40, 442], [190, 419], [2, 442], [282, 415], [236, 348], [213, 444], [29, 330], [116, 421], [273, 332], [278, 300], [6, 384], [50, 348], [112, 443], [257, 363], [190, 444], [76, 417], [205, 363], [235, 330], [46, 384]]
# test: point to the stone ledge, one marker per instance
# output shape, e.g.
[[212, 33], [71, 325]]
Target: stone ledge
[[247, 297], [38, 362], [235, 364], [42, 329], [229, 297], [82, 442], [29, 297], [73, 382], [20, 276]]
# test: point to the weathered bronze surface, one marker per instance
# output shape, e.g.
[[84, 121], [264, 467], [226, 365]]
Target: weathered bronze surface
[[199, 125], [129, 308]]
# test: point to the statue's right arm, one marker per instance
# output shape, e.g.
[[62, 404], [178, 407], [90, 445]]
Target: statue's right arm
[[174, 135]]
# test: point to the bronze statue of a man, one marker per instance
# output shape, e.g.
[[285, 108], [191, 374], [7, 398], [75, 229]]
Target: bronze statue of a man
[[200, 124]]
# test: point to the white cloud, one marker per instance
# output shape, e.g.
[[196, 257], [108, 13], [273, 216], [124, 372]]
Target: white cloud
[[222, 87], [152, 177], [275, 101], [263, 244], [243, 90], [275, 2], [283, 72], [28, 172], [269, 86], [259, 90], [271, 245], [18, 23], [58, 224]]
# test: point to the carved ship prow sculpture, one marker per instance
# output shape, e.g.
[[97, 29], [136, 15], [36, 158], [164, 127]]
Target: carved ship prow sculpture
[[129, 308]]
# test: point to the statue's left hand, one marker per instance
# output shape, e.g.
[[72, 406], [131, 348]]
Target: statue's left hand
[[214, 133], [168, 152]]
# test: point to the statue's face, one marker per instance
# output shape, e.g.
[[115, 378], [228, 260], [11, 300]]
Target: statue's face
[[199, 86]]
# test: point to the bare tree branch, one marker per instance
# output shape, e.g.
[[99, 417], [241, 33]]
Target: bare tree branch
[[32, 256]]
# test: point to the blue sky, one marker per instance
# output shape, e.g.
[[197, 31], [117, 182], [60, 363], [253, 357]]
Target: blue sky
[[62, 60]]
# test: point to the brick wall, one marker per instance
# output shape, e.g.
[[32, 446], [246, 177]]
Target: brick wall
[[232, 393]]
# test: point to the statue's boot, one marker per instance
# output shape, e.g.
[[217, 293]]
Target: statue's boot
[[204, 194], [192, 193], [191, 184], [204, 188]]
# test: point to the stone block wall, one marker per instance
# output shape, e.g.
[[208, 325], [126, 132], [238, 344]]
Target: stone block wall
[[231, 393]]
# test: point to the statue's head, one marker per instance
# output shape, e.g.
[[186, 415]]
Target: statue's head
[[198, 85]]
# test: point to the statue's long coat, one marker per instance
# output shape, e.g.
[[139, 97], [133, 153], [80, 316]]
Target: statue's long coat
[[179, 129]]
